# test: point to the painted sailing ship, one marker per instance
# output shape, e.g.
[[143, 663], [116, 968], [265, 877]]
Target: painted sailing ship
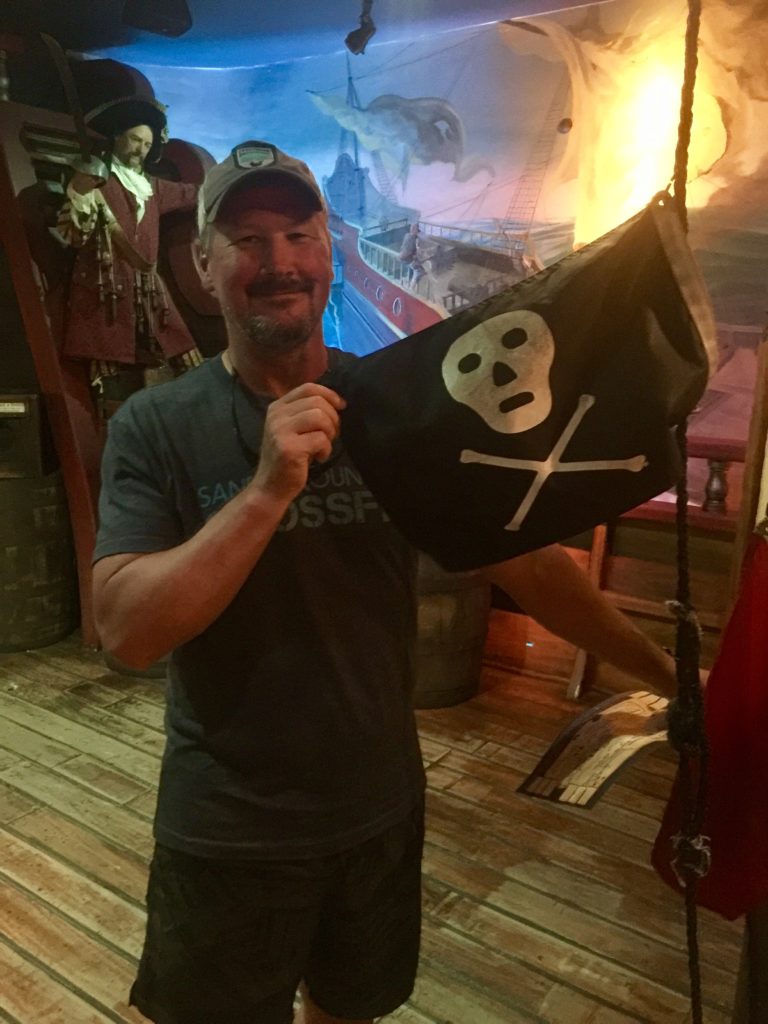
[[463, 263]]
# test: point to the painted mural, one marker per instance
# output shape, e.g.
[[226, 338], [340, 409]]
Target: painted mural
[[509, 144]]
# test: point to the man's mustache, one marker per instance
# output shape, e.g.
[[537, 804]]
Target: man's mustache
[[277, 284]]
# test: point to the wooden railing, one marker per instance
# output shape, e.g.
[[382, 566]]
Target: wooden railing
[[713, 514], [505, 242], [719, 456], [456, 300], [715, 511], [385, 261]]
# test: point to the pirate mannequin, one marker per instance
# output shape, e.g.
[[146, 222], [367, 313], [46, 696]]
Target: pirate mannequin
[[120, 316]]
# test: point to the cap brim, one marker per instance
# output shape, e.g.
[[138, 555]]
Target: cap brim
[[240, 178]]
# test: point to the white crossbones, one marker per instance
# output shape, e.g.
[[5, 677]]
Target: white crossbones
[[552, 464]]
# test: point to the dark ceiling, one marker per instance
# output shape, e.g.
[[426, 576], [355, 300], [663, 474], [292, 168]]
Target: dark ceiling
[[227, 33]]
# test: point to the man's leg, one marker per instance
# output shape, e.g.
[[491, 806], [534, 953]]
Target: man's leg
[[365, 952], [310, 1013], [226, 940]]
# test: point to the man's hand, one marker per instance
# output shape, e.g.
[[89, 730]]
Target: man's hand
[[300, 428]]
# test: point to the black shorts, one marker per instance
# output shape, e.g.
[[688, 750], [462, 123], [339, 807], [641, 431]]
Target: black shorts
[[229, 941]]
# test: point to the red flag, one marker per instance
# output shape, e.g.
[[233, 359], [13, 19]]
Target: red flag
[[736, 720]]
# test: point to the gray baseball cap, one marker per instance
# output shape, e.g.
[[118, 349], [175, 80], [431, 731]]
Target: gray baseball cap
[[249, 160]]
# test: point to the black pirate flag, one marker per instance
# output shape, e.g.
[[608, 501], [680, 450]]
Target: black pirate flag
[[542, 411]]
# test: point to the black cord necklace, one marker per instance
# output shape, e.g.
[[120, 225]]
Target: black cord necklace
[[250, 454]]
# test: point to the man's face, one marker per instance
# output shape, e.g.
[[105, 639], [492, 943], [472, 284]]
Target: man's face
[[132, 146], [269, 262]]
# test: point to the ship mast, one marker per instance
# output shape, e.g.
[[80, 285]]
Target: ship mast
[[347, 134]]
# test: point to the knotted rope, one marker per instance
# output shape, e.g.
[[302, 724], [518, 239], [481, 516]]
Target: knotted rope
[[686, 713]]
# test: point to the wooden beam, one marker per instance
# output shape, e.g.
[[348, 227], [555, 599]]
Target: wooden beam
[[64, 386], [753, 469]]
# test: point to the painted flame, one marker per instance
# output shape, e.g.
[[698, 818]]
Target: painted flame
[[627, 153]]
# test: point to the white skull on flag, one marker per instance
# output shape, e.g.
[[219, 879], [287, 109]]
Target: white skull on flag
[[500, 368]]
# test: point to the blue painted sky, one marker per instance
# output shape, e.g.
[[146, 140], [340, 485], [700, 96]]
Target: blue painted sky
[[501, 98], [231, 33]]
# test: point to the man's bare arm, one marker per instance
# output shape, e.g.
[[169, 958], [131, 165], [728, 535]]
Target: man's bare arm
[[148, 604], [551, 588]]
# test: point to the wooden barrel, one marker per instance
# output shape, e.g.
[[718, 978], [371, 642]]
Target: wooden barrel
[[38, 576], [452, 625]]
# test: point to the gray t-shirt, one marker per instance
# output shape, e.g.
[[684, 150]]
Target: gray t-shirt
[[289, 726]]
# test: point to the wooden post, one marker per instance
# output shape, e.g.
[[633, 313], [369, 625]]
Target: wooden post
[[749, 512], [751, 1002], [63, 384]]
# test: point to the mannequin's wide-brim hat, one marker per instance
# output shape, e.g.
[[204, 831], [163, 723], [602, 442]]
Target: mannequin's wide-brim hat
[[117, 116]]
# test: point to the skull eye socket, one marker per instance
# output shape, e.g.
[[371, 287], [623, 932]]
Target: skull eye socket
[[469, 362], [514, 338]]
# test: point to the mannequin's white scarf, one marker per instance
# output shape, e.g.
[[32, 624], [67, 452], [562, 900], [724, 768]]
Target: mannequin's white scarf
[[136, 182]]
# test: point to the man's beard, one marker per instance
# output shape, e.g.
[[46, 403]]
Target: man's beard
[[271, 336]]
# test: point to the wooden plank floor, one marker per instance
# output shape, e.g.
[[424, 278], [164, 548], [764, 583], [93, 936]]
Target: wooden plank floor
[[533, 912]]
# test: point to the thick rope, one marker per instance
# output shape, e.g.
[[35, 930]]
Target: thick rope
[[686, 721], [686, 107]]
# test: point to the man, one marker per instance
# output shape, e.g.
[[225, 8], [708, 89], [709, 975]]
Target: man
[[236, 533], [120, 317], [410, 254]]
